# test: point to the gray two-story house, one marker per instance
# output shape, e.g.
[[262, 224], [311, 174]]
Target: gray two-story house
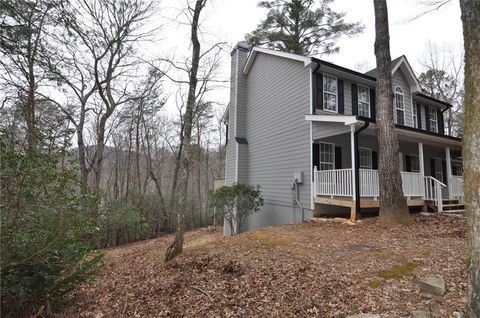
[[304, 129]]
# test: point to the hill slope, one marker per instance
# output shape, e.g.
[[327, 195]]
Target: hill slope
[[313, 269]]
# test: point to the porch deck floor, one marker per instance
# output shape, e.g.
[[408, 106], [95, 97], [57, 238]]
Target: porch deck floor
[[364, 202]]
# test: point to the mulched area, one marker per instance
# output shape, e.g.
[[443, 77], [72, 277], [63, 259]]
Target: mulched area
[[307, 270]]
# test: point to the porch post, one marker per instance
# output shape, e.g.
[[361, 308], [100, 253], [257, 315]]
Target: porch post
[[449, 172], [352, 145], [420, 159]]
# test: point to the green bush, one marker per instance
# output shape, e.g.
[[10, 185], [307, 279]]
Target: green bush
[[235, 203], [47, 236]]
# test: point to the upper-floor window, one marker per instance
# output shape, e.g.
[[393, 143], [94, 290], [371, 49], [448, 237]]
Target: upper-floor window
[[327, 156], [433, 119], [363, 101], [330, 93], [365, 158], [414, 115], [399, 106]]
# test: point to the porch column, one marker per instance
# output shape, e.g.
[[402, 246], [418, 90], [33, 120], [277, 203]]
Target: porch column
[[449, 171], [420, 158], [352, 145]]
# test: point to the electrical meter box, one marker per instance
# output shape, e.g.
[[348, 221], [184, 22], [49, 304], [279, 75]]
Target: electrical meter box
[[298, 177]]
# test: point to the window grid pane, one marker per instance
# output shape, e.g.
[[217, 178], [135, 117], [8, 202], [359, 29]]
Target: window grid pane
[[414, 116], [365, 158], [329, 93], [363, 101], [414, 163], [327, 156]]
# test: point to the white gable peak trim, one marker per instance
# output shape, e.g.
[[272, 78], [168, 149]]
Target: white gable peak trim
[[255, 50], [411, 77]]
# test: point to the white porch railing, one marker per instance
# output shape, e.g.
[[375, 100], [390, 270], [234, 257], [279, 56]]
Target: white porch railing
[[433, 191], [456, 187], [334, 182], [412, 183], [339, 183]]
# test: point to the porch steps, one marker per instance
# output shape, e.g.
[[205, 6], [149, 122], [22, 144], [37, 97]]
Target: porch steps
[[453, 206]]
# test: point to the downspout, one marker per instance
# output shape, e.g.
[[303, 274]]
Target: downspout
[[314, 90], [357, 167]]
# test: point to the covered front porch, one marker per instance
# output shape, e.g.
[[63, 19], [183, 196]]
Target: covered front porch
[[430, 167]]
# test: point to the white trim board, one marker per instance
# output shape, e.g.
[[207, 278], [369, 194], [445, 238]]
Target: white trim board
[[255, 50], [346, 119]]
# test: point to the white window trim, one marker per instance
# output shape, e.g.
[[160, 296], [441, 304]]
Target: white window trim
[[320, 155], [430, 119], [369, 99], [418, 160], [403, 103], [371, 158], [336, 93], [414, 114]]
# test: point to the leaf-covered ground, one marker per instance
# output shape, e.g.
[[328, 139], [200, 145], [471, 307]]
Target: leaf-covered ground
[[312, 269]]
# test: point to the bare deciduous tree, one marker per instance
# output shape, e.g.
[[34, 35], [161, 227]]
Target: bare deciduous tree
[[471, 148], [393, 206]]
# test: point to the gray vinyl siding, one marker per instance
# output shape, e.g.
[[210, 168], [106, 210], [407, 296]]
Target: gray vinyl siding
[[241, 95], [230, 152], [278, 135], [242, 163], [326, 129], [399, 80]]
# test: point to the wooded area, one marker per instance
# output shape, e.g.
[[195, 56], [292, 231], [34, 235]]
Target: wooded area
[[92, 157]]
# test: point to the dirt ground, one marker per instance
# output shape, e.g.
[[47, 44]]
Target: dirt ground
[[307, 270]]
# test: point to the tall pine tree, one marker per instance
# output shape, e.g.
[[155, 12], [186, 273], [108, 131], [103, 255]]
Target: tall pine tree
[[301, 27]]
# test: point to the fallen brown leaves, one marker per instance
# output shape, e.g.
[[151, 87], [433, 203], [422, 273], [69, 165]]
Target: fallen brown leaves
[[312, 269]]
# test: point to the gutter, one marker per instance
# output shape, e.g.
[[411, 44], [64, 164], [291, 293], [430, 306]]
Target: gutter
[[357, 167]]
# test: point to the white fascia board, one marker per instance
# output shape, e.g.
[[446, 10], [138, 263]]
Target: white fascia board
[[347, 120], [253, 53], [416, 87], [225, 114]]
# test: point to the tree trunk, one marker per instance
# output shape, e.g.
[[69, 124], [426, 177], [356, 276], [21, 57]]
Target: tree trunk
[[393, 206], [471, 148], [176, 247]]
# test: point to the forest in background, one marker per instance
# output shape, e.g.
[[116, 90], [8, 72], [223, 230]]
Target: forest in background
[[91, 157]]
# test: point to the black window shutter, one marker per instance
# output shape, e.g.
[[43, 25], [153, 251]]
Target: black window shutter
[[319, 83], [338, 157], [408, 163], [354, 99], [340, 96], [374, 160], [444, 171], [432, 167], [316, 155], [373, 112], [419, 116], [427, 118], [441, 128]]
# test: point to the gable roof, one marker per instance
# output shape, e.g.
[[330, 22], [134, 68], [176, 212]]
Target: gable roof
[[255, 50], [401, 63]]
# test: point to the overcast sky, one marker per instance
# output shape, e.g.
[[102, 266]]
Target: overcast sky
[[230, 20]]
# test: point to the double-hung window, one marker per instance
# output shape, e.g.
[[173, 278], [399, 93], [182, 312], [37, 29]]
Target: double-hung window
[[330, 93], [327, 156], [433, 119], [399, 106], [438, 169], [414, 163], [414, 115], [365, 158], [363, 101]]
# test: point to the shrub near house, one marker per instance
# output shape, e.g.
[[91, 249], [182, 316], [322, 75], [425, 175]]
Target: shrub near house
[[235, 203]]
